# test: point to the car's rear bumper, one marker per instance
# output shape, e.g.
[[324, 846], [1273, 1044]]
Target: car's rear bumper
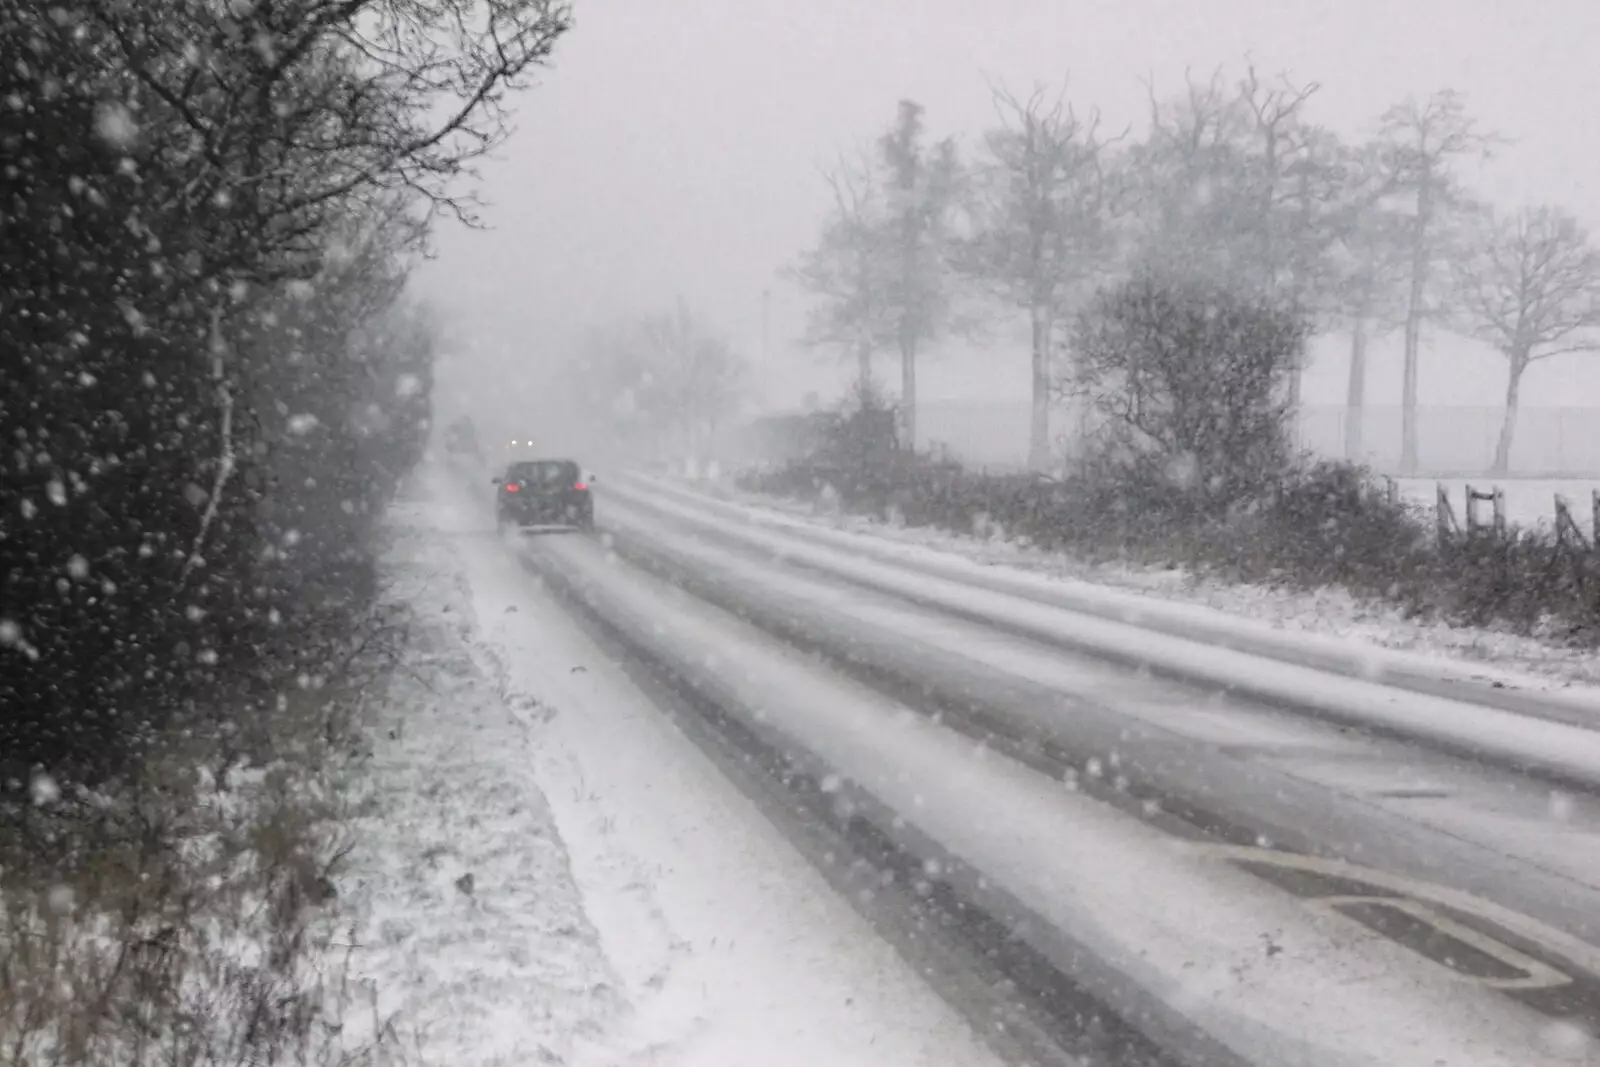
[[547, 514]]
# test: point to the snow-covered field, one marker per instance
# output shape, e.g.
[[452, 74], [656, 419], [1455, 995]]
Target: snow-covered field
[[551, 874], [1327, 613]]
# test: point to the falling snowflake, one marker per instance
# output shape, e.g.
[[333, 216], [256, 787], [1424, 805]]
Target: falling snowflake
[[78, 567], [408, 385], [300, 425], [57, 492], [61, 899], [44, 790], [116, 126]]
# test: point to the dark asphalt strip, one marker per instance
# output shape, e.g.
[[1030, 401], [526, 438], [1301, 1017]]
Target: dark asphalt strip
[[1034, 995], [1169, 780]]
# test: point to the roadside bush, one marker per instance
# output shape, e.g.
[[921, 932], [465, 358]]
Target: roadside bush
[[1529, 580], [1188, 381]]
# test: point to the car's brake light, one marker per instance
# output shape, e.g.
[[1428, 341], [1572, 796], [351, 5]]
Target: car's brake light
[[580, 485], [512, 487]]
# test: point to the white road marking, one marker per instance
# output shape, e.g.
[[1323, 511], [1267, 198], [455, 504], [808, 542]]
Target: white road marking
[[1581, 954], [1535, 973]]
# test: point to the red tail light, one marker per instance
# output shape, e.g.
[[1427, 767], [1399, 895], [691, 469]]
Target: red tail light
[[512, 487], [580, 485]]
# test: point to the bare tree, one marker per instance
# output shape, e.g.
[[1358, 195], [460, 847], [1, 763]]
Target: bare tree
[[1188, 182], [1236, 184], [1237, 178], [1043, 225], [1422, 140], [846, 270], [920, 186], [1280, 177], [663, 380], [1366, 275], [695, 377], [297, 104], [1530, 286]]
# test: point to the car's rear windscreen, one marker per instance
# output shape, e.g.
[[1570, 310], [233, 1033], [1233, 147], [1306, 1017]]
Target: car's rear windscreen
[[548, 473]]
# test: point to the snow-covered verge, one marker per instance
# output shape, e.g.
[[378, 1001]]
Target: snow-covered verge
[[472, 928], [1328, 611], [549, 872]]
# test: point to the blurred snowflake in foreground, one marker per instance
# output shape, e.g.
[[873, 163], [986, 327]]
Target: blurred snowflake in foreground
[[116, 126]]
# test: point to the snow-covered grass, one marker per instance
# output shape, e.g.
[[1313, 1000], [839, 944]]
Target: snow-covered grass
[[186, 919], [1328, 611], [549, 872]]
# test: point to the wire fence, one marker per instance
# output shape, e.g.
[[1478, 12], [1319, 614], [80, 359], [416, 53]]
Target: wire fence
[[1550, 442]]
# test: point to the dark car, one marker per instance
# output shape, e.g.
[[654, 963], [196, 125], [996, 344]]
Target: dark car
[[544, 492]]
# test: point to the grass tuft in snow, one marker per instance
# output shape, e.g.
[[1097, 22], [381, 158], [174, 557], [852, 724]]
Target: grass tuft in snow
[[191, 916]]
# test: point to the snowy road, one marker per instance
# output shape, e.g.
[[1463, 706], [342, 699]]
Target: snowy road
[[1237, 880], [553, 873]]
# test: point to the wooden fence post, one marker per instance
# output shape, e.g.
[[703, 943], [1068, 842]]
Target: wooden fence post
[[1568, 532], [1444, 519]]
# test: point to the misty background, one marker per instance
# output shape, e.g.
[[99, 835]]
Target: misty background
[[674, 152]]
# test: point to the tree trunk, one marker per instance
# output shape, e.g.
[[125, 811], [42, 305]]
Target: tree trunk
[[1409, 455], [1356, 393], [1508, 422], [1039, 427], [864, 367], [1408, 395], [908, 392]]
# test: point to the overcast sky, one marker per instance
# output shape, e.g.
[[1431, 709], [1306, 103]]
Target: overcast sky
[[673, 149]]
